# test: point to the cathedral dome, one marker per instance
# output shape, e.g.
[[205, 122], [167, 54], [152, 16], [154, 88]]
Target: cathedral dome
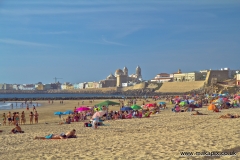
[[118, 72]]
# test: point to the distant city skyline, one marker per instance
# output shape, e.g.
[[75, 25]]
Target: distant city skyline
[[82, 41]]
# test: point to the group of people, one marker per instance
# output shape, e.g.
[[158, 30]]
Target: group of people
[[17, 118]]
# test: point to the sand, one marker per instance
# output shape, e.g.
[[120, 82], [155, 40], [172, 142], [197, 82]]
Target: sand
[[162, 136]]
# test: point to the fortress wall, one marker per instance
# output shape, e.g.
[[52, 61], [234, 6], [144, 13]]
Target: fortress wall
[[180, 86]]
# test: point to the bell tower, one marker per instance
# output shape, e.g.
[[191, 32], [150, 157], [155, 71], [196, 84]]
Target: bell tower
[[138, 72]]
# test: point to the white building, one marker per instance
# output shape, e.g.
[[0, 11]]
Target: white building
[[162, 77]]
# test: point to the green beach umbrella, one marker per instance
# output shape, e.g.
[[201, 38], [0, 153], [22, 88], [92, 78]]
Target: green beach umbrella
[[107, 103], [136, 107]]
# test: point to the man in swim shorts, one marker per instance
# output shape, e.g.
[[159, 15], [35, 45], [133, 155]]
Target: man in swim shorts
[[9, 117]]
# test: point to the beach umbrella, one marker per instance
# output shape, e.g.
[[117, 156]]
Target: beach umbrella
[[149, 105], [68, 112], [136, 107], [107, 103], [58, 113], [126, 109], [162, 103], [81, 109], [183, 103]]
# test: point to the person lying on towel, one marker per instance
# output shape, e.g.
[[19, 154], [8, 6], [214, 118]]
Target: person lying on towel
[[229, 116], [70, 134]]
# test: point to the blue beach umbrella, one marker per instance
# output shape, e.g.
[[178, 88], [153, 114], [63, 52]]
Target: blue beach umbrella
[[58, 113], [126, 109], [68, 112]]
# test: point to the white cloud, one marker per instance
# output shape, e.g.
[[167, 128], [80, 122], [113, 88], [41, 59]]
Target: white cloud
[[26, 43], [112, 43]]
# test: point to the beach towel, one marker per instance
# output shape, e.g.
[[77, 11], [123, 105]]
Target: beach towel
[[49, 136]]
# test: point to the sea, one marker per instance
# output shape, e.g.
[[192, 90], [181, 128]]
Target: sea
[[55, 95], [7, 105]]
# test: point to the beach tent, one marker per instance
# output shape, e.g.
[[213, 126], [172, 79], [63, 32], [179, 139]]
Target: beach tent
[[107, 103], [211, 107]]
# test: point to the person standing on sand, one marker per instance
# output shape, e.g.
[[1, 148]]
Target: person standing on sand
[[9, 117], [17, 118], [31, 117], [23, 120], [34, 109], [4, 119], [36, 117]]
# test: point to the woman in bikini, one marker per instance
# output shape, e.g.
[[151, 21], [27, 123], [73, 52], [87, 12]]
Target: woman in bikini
[[17, 118], [23, 120], [36, 117], [31, 117]]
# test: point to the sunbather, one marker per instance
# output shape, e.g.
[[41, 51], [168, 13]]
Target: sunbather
[[17, 129], [70, 134], [229, 116], [198, 113]]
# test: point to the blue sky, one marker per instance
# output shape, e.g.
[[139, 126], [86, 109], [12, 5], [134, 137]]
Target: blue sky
[[84, 40]]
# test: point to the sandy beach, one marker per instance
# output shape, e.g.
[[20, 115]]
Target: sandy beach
[[162, 136]]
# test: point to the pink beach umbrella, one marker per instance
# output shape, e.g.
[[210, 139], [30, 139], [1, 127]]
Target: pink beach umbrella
[[98, 114], [81, 109], [149, 105]]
